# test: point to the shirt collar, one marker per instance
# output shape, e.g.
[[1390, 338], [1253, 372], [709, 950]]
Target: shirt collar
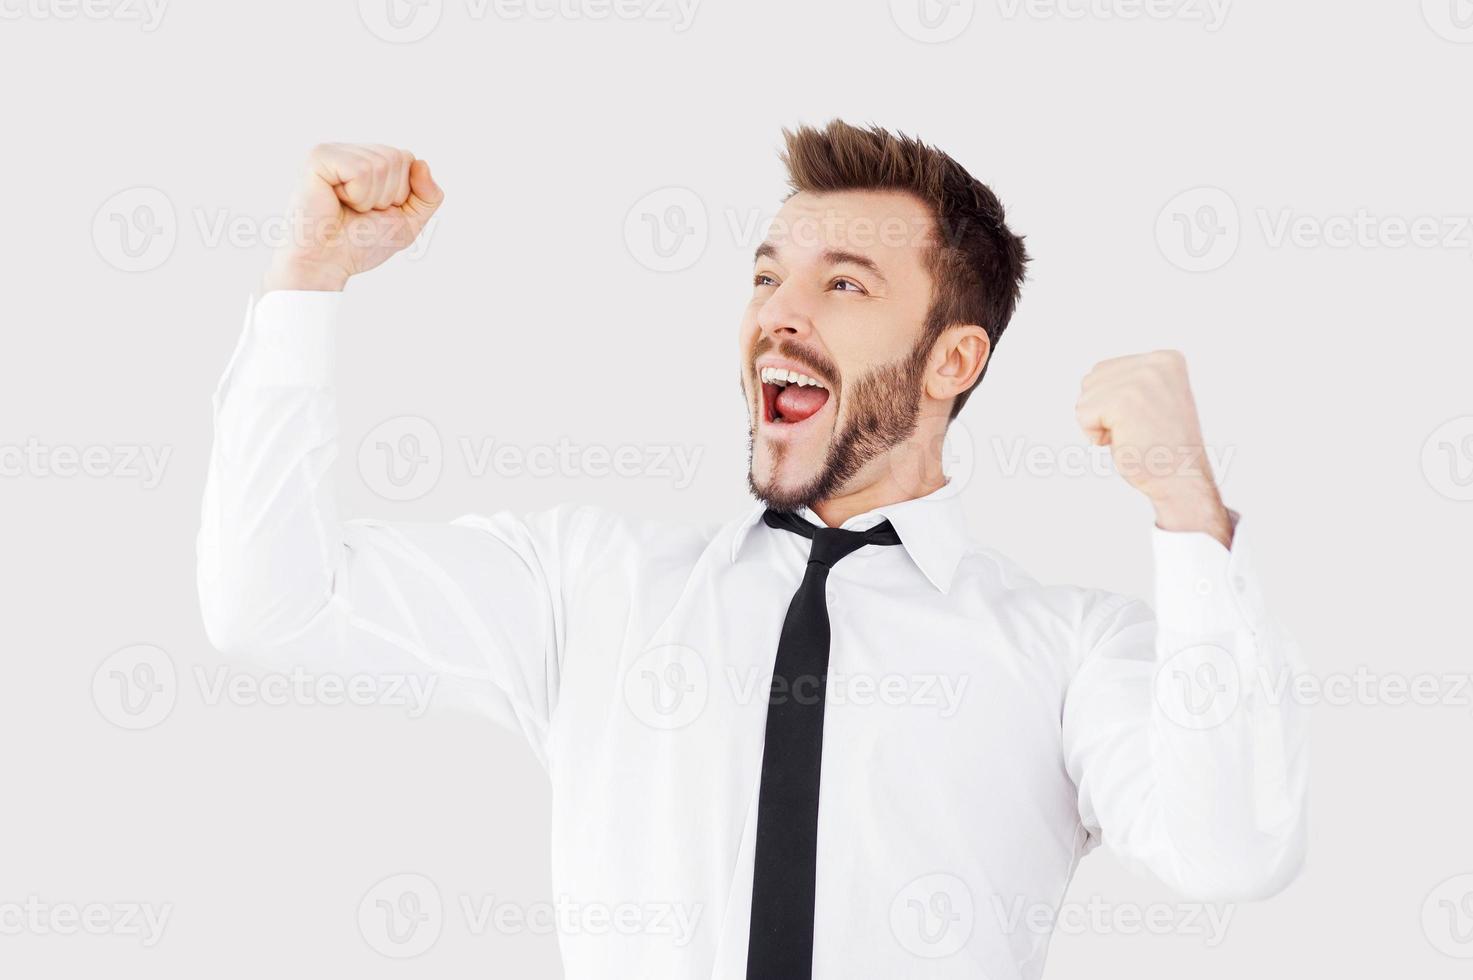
[[932, 530]]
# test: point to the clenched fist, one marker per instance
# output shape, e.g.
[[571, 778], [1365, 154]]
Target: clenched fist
[[356, 205], [1141, 406]]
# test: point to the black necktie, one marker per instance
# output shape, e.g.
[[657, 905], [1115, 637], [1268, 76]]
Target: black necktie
[[780, 943]]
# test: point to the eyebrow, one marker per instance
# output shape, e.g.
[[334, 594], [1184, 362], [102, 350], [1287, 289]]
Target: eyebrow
[[832, 256]]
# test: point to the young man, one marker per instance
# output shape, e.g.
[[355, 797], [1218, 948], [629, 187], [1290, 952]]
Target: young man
[[845, 820]]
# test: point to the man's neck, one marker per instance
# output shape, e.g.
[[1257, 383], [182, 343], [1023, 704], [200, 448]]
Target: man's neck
[[881, 493]]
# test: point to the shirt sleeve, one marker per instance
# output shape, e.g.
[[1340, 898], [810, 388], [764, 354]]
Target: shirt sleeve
[[469, 610], [1180, 730]]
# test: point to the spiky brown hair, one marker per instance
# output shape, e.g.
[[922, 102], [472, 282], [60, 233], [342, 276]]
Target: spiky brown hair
[[977, 263]]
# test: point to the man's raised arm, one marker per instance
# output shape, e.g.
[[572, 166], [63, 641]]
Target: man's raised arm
[[469, 608]]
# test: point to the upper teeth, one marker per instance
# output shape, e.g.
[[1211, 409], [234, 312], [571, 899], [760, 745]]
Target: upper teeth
[[781, 376]]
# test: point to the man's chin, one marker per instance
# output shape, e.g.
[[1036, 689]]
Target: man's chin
[[782, 486]]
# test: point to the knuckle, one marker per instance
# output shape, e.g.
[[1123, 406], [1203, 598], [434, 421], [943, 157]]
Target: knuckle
[[1169, 359]]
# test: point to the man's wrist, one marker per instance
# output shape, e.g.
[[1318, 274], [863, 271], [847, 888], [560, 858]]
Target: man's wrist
[[1196, 508], [304, 276]]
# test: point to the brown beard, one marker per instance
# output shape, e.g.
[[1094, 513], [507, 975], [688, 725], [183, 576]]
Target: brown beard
[[884, 407]]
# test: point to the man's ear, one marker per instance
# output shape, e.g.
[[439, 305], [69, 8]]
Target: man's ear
[[957, 360]]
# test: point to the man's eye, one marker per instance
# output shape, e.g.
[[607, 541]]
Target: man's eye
[[763, 279], [850, 286]]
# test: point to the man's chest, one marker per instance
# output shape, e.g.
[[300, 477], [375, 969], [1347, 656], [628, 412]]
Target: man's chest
[[668, 678]]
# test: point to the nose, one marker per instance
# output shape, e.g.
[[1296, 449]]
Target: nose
[[784, 316]]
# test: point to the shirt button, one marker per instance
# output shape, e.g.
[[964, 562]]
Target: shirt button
[[1240, 583], [1204, 587]]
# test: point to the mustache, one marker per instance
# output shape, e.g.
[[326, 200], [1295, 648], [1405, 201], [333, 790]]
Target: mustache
[[812, 360]]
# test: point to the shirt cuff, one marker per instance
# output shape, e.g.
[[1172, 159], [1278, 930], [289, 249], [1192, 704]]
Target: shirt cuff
[[1203, 588], [288, 340]]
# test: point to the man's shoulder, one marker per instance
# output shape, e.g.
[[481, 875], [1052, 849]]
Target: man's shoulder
[[1004, 584]]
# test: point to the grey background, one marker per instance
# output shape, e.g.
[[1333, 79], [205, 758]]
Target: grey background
[[1332, 373]]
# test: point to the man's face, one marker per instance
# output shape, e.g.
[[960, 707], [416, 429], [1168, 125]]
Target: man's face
[[840, 294]]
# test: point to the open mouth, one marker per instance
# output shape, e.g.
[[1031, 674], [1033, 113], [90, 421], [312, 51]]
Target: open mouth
[[789, 397]]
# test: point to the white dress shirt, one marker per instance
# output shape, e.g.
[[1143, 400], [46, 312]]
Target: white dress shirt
[[983, 731]]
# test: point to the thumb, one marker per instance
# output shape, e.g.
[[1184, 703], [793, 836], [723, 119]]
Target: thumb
[[425, 196]]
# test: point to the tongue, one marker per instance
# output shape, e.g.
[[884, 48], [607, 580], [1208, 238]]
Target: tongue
[[797, 402]]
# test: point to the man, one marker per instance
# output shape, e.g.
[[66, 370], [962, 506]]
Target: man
[[835, 822]]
